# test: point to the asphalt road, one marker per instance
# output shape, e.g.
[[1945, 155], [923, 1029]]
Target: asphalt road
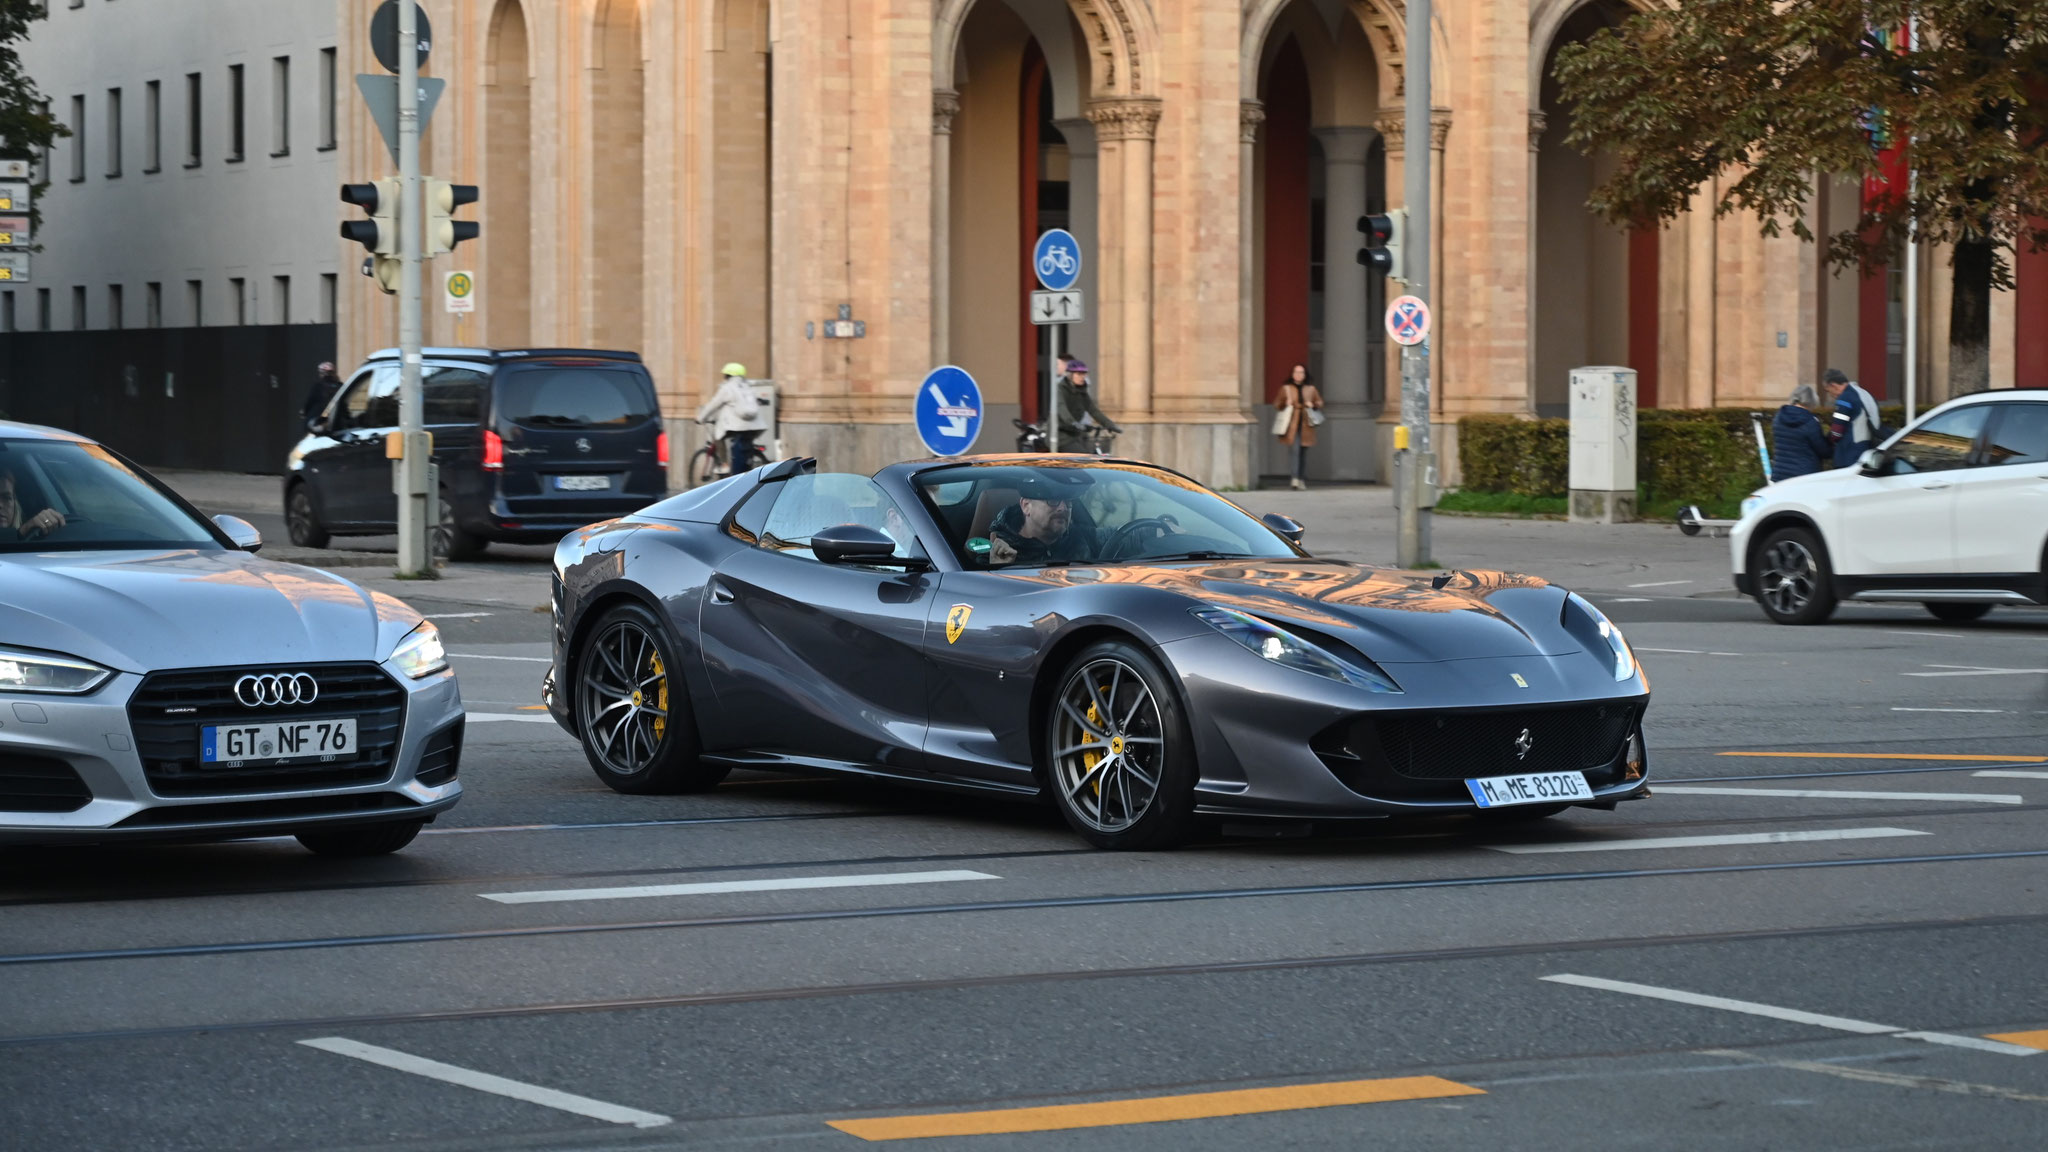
[[1802, 940]]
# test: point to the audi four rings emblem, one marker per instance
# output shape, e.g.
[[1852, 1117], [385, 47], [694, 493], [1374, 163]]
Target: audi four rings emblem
[[276, 689]]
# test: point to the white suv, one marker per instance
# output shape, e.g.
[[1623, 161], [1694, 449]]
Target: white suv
[[1952, 512]]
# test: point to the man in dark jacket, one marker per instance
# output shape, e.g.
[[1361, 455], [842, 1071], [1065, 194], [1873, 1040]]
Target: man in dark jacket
[[1077, 406], [1798, 442], [1855, 426], [325, 385]]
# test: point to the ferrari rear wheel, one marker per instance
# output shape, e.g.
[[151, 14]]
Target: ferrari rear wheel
[[1119, 757], [633, 710]]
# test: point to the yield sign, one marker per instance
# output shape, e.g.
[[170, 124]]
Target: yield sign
[[1408, 320]]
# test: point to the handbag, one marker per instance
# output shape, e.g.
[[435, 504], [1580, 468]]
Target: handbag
[[1283, 418], [1315, 417]]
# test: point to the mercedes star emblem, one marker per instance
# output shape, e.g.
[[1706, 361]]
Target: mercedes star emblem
[[275, 689], [1523, 743], [582, 444]]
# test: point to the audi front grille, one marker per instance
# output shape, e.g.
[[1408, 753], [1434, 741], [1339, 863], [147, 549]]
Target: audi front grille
[[170, 708]]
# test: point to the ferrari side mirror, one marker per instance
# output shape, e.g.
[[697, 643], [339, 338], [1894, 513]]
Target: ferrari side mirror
[[852, 544], [1286, 526]]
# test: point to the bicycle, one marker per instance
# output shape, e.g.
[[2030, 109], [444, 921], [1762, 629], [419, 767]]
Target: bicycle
[[709, 462]]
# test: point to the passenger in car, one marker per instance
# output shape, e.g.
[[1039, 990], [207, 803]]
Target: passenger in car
[[1043, 526], [14, 527]]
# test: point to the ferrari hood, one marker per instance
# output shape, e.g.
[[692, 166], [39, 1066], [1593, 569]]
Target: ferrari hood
[[141, 611], [1391, 616]]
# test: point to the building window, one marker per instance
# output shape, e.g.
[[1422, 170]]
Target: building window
[[116, 300], [7, 312], [328, 77], [238, 298], [152, 127], [193, 109], [237, 120], [153, 305], [113, 133], [78, 316], [43, 159], [78, 139], [42, 309], [327, 292], [195, 302], [281, 106], [281, 287]]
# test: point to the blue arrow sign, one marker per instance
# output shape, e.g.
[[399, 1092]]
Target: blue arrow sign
[[1057, 259], [948, 411]]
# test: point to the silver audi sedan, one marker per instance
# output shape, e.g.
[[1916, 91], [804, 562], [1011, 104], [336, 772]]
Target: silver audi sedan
[[158, 681]]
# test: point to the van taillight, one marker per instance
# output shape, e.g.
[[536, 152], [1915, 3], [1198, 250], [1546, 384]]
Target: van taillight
[[661, 449], [494, 452]]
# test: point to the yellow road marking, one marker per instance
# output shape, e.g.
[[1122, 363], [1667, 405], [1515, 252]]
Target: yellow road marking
[[2024, 1039], [1154, 1109], [532, 708], [1891, 756]]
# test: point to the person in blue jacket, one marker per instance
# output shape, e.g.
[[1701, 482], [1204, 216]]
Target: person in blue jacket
[[1798, 442]]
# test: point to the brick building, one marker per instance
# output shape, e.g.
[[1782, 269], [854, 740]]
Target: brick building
[[712, 180]]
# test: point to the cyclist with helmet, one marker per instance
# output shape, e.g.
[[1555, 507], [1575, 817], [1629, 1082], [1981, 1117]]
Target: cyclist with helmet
[[737, 417], [1076, 408]]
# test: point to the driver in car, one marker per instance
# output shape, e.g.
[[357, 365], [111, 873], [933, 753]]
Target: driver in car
[[14, 526], [1040, 528]]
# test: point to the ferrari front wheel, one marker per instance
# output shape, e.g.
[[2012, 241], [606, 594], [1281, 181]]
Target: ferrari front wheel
[[633, 709], [1119, 757]]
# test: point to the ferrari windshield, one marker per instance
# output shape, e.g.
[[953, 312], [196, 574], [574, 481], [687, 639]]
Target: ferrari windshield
[[1034, 515], [62, 496]]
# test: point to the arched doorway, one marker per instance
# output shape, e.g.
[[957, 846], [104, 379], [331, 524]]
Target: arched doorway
[[508, 143], [616, 214]]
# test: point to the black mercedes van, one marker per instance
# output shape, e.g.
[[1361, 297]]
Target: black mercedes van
[[531, 443]]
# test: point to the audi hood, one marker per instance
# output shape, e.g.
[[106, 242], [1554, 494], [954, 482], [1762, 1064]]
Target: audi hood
[[137, 611]]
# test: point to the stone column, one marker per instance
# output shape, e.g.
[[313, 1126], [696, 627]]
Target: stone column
[[1083, 203], [1250, 114], [1126, 128], [1539, 122], [1701, 262], [1345, 451], [945, 105]]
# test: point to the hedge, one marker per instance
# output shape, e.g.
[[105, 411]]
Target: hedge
[[1703, 454]]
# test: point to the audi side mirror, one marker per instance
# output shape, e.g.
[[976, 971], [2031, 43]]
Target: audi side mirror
[[1286, 526], [853, 544], [240, 532]]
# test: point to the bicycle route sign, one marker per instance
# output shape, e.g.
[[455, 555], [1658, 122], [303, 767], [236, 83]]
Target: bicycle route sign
[[948, 411], [1057, 259], [1408, 320]]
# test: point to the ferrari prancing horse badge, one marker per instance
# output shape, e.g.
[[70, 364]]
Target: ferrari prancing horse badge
[[956, 621]]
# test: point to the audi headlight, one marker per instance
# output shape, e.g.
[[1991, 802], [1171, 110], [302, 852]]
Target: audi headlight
[[1272, 642], [48, 672], [420, 653], [1610, 636]]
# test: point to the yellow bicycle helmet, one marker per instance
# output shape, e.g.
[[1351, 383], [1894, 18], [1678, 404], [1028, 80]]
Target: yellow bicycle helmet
[[735, 369]]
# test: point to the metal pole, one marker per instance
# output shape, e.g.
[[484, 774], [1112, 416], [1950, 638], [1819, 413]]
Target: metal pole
[[415, 553], [1415, 466], [1051, 415], [1912, 263]]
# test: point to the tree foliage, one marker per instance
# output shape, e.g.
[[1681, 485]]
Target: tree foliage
[[1766, 93], [25, 128]]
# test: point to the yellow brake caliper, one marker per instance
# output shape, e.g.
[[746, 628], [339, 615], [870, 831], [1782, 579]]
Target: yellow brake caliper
[[660, 695], [1090, 759]]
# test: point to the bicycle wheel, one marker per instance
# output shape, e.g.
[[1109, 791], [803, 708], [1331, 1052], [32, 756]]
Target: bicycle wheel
[[703, 467]]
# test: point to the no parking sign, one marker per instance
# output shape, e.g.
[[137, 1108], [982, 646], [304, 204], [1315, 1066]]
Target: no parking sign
[[1408, 320]]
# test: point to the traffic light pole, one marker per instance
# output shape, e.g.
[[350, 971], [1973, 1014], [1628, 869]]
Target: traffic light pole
[[416, 499], [1414, 463]]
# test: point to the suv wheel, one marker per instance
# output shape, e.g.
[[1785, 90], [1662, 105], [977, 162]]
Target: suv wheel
[[450, 541], [1793, 583], [302, 522]]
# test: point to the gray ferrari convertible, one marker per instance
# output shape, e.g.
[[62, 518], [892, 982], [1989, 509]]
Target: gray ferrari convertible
[[1102, 632], [157, 681]]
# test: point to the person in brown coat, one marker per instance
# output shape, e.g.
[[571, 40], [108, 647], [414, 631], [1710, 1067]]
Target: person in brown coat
[[1299, 396]]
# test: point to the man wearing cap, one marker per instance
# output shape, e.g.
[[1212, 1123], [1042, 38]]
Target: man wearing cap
[[1042, 527], [325, 385], [1077, 404], [736, 416], [1853, 431]]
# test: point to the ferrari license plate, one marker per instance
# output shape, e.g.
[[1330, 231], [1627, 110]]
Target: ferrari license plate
[[274, 742], [583, 483], [1535, 788]]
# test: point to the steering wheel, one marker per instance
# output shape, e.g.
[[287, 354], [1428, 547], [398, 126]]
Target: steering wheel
[[1125, 535]]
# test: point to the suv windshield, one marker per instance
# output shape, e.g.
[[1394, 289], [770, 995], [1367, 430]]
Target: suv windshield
[[562, 396], [57, 496]]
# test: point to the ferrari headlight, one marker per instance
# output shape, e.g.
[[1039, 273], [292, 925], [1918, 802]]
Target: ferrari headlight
[[1277, 644], [1624, 657], [48, 672], [420, 653]]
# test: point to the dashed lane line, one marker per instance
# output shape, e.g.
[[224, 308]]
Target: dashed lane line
[[485, 1082], [1705, 841], [2011, 774], [1946, 756], [1967, 711], [1976, 670], [1837, 794], [519, 659], [1661, 584], [720, 887], [505, 718], [1792, 1015]]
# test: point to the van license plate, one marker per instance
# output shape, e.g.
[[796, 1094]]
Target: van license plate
[[1534, 788], [310, 741], [583, 483]]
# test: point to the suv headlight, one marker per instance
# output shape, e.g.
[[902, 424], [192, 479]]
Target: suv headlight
[[420, 653], [1624, 657], [1751, 503], [49, 672], [1272, 642]]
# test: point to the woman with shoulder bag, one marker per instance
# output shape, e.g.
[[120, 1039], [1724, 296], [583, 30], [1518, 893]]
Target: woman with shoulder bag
[[1299, 411]]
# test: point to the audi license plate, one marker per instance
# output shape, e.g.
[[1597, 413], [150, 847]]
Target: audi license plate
[[287, 742], [583, 483], [1534, 788]]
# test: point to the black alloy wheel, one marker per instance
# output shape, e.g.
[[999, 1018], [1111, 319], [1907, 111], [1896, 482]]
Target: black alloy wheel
[[1949, 612], [363, 839], [1119, 759], [633, 709], [1793, 583], [302, 522], [449, 541]]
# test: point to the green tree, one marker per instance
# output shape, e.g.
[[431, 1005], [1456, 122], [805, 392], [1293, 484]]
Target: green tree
[[25, 128], [1767, 93]]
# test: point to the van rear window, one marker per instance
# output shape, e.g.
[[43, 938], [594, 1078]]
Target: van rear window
[[561, 397]]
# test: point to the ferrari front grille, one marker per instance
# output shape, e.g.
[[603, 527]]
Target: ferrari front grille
[[1464, 745]]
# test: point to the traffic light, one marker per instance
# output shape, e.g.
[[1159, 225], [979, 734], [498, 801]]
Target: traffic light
[[1382, 251], [443, 198], [379, 233]]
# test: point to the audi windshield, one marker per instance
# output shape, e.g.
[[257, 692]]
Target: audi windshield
[[61, 496]]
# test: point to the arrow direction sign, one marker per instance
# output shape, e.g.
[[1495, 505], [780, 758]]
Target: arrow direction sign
[[948, 411], [1057, 307], [380, 93]]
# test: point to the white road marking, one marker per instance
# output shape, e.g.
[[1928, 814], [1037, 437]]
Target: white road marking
[[1978, 670], [1873, 1076], [1937, 635], [498, 717], [1672, 651], [1633, 600], [1660, 583], [709, 888], [485, 1082], [2012, 774], [1831, 794], [1706, 841], [1971, 711], [458, 615], [1793, 1015], [521, 659]]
